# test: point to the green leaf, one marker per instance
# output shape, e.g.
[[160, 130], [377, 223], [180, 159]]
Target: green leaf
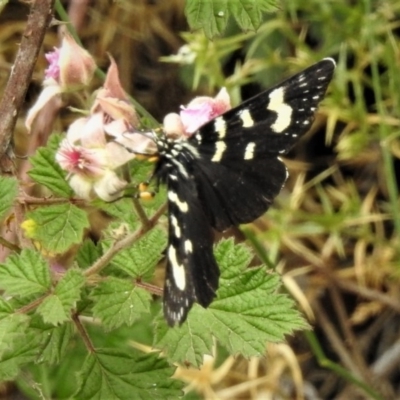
[[88, 253], [247, 313], [127, 374], [212, 15], [48, 173], [8, 193], [58, 227], [140, 259], [25, 274], [118, 302], [188, 343], [121, 209], [52, 310], [12, 360], [12, 326], [56, 308], [248, 13], [54, 340]]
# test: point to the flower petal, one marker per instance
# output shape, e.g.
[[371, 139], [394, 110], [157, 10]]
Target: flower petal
[[47, 94], [109, 187]]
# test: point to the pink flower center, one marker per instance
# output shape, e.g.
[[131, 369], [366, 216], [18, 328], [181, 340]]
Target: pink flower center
[[78, 160]]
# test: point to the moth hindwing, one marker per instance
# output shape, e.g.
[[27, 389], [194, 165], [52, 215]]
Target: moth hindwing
[[228, 173]]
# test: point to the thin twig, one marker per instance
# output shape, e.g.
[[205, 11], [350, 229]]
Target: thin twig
[[144, 219], [149, 287], [103, 261], [32, 305], [26, 199], [21, 74], [9, 245], [82, 331]]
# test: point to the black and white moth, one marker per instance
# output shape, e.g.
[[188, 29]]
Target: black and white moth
[[228, 173]]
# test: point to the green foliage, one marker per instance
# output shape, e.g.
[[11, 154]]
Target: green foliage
[[8, 193], [212, 16], [140, 259], [58, 227], [117, 302], [24, 274], [248, 312], [47, 172], [56, 307], [116, 374]]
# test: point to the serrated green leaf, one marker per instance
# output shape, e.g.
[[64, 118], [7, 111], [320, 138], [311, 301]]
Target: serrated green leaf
[[12, 326], [52, 310], [48, 173], [247, 313], [56, 308], [188, 343], [118, 302], [8, 193], [88, 253], [212, 15], [121, 209], [25, 274], [54, 340], [58, 227], [140, 259], [12, 360], [248, 13], [127, 374]]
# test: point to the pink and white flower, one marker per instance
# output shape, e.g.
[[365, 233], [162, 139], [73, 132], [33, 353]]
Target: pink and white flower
[[198, 112], [91, 161], [70, 67]]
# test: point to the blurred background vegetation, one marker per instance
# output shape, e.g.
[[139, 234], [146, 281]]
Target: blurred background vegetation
[[334, 231]]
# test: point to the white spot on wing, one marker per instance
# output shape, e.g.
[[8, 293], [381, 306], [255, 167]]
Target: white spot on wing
[[220, 127], [182, 205], [219, 151], [188, 246], [178, 271], [175, 225], [249, 151], [246, 118], [283, 110]]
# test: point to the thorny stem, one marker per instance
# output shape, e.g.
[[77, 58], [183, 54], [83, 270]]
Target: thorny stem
[[140, 212], [82, 331], [103, 261], [9, 245], [21, 73], [26, 199], [32, 305], [149, 287]]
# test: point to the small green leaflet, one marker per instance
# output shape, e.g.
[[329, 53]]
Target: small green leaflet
[[140, 259], [25, 274], [58, 227], [12, 326], [212, 15], [127, 374], [121, 209], [54, 340], [8, 193], [56, 308], [247, 313], [88, 253], [119, 302], [48, 173], [12, 360]]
